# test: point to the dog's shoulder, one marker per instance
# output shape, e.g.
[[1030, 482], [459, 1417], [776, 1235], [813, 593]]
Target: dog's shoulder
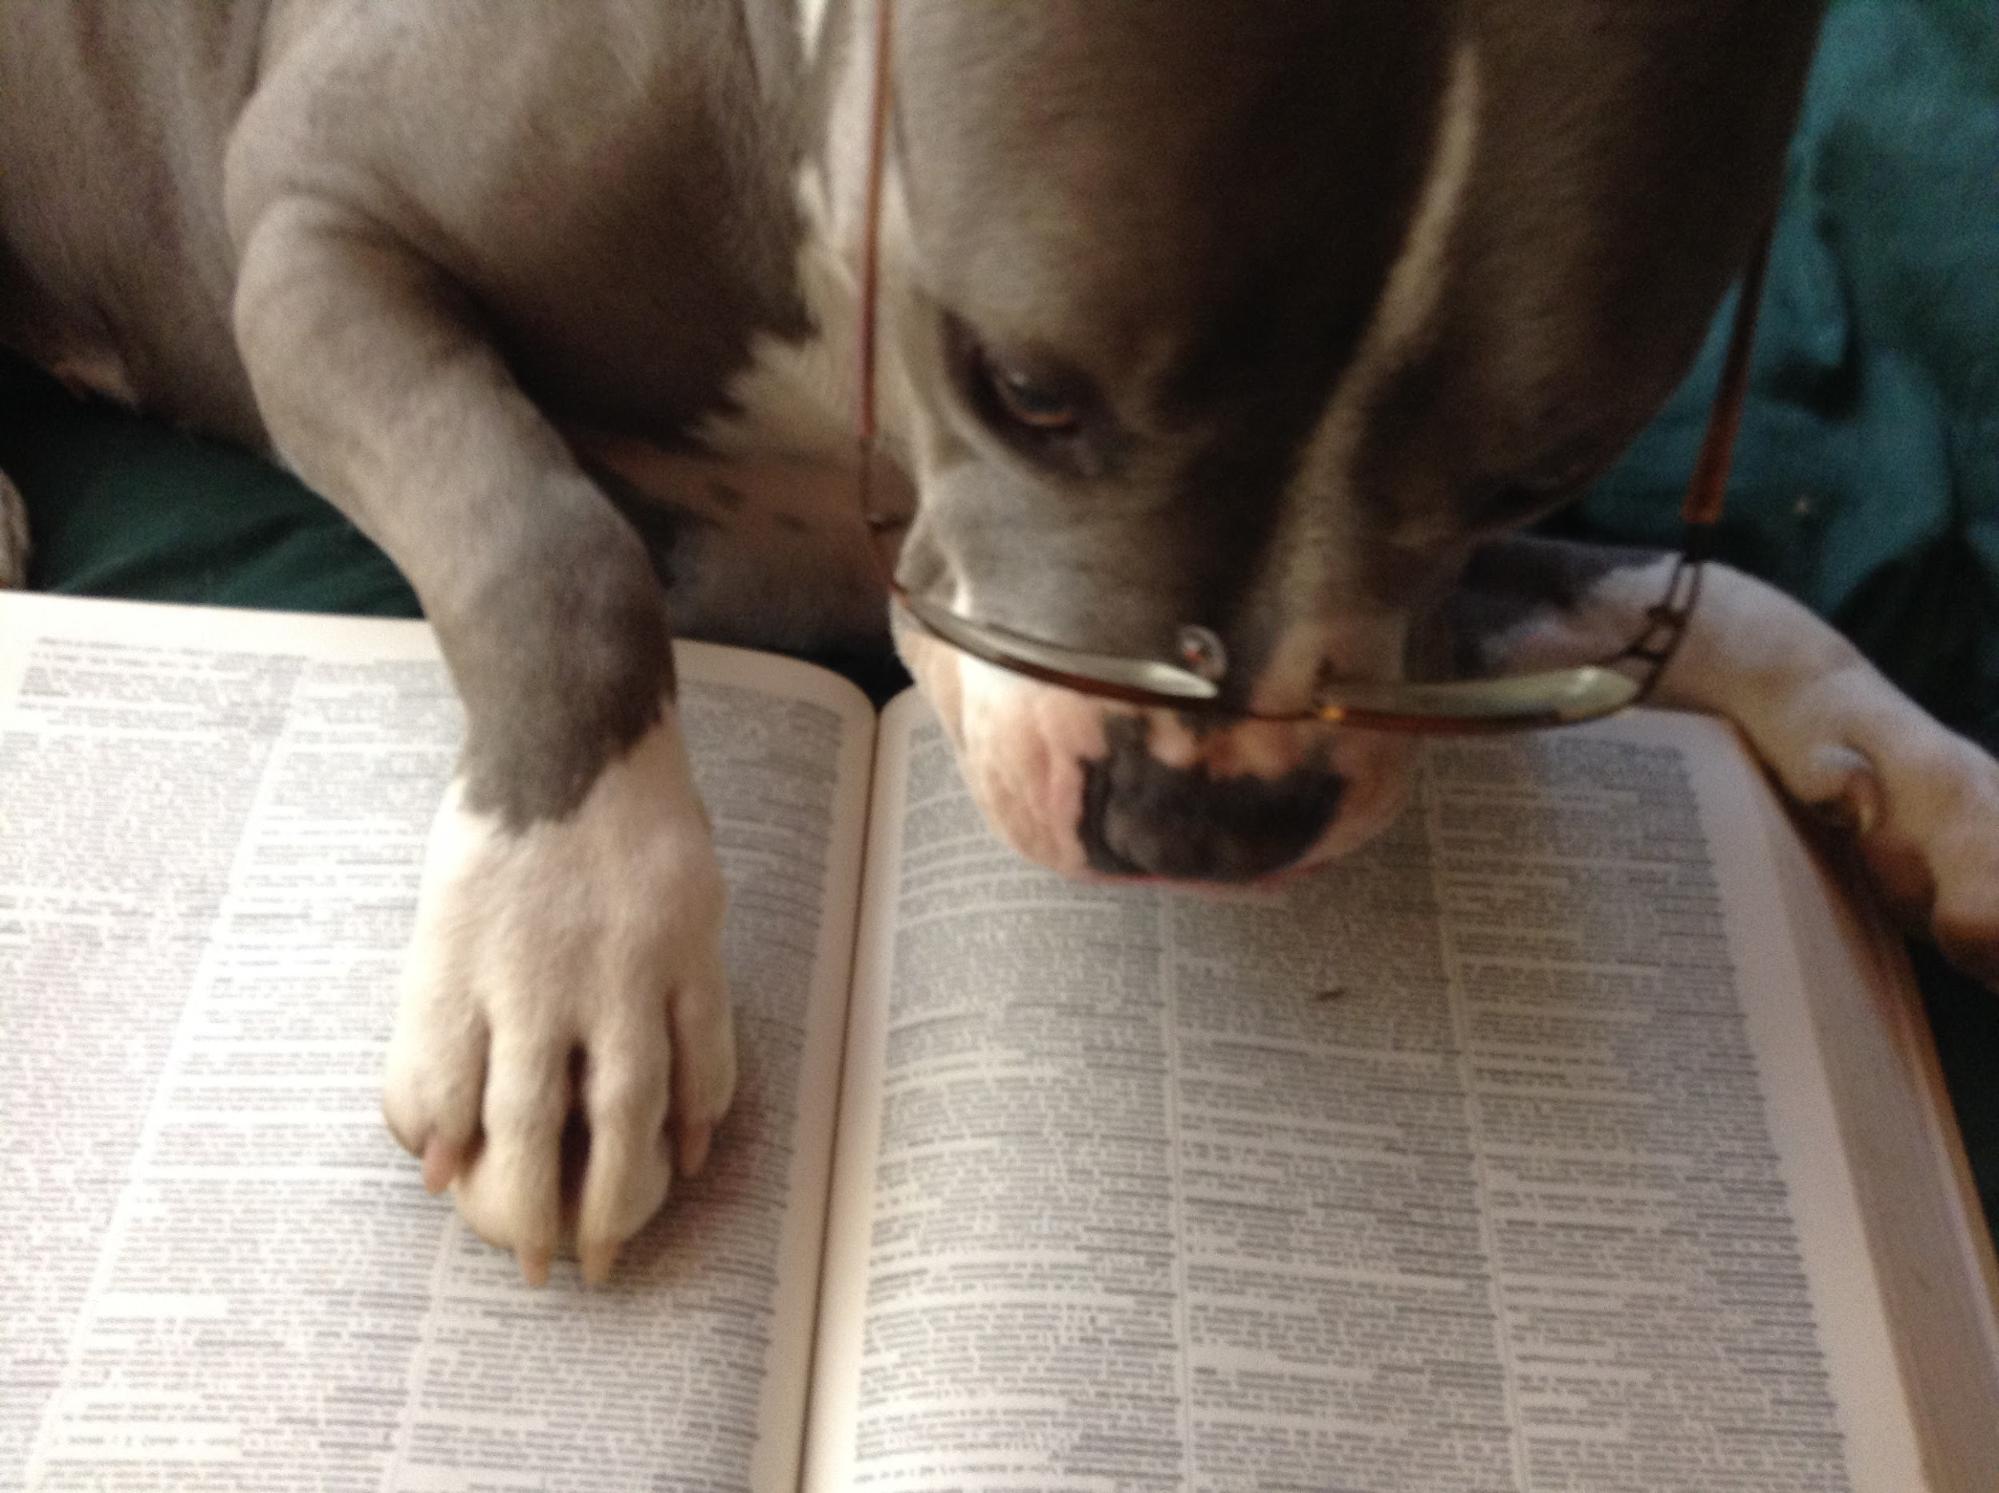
[[610, 182]]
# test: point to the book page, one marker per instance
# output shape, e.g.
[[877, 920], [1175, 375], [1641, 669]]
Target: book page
[[217, 1270], [1497, 1157], [1926, 1228]]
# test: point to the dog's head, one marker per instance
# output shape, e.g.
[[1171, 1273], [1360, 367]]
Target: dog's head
[[1260, 318]]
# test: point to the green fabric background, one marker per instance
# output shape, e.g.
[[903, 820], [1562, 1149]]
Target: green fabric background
[[1867, 481]]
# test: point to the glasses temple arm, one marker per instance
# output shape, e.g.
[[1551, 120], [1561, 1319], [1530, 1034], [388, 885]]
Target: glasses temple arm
[[1708, 487]]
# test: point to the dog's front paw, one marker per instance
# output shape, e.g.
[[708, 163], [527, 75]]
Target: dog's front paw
[[1922, 802], [564, 1038]]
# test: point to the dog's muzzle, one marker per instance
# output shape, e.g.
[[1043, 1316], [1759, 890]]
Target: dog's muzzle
[[1142, 817]]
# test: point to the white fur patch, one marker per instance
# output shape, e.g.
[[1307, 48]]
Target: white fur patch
[[811, 25], [1415, 283], [1407, 306], [599, 934], [796, 398]]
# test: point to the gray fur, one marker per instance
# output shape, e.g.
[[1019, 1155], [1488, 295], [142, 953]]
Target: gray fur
[[408, 245], [429, 251], [113, 121], [1625, 158], [328, 226]]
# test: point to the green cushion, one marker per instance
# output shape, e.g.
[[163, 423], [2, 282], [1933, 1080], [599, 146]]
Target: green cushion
[[122, 506]]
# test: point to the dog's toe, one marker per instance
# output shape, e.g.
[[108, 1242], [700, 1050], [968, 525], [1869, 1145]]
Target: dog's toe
[[1922, 802], [511, 1193], [437, 1065], [1963, 865]]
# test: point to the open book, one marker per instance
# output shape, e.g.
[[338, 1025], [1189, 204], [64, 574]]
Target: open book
[[1579, 1135]]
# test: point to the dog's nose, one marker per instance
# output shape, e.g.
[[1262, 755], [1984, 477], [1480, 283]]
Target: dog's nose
[[1142, 817]]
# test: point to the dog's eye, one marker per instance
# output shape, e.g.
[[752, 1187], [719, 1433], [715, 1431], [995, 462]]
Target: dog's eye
[[1047, 410], [1028, 399], [1021, 395]]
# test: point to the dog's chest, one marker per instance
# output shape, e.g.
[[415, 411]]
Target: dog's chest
[[780, 403], [710, 376], [793, 395], [755, 504]]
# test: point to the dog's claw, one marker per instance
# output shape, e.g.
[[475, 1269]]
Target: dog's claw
[[597, 1260], [442, 1162], [1846, 789], [693, 1147], [534, 1266]]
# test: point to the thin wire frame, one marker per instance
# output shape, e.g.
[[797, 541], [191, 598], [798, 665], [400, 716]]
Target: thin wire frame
[[1519, 702]]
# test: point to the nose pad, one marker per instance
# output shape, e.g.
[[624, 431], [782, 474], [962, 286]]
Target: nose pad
[[1141, 817]]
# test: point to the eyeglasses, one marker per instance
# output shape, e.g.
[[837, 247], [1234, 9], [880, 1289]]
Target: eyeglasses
[[1188, 679]]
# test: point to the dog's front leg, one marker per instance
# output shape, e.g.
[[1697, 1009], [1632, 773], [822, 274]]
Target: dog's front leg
[[567, 948], [1922, 801]]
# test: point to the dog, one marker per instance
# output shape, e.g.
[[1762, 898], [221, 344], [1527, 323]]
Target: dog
[[1277, 318]]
